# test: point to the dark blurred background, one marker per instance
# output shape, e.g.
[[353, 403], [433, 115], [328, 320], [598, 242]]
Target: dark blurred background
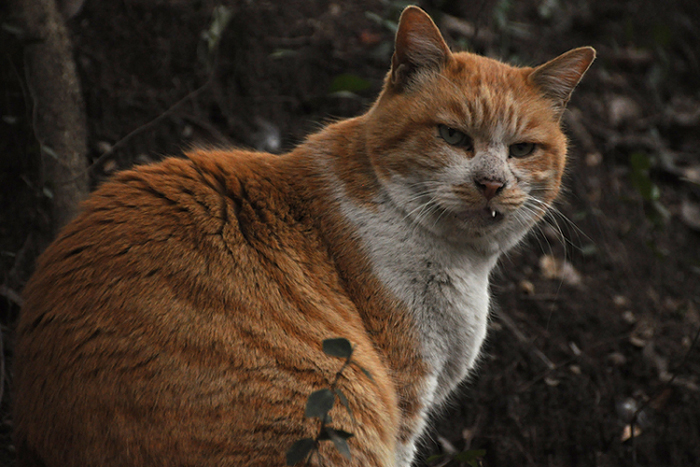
[[591, 358]]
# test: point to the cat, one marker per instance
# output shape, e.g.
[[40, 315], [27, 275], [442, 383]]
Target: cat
[[178, 320]]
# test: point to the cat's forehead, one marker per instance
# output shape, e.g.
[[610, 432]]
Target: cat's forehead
[[481, 77], [467, 64], [491, 97]]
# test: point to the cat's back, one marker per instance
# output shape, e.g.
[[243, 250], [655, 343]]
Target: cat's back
[[185, 287], [147, 222]]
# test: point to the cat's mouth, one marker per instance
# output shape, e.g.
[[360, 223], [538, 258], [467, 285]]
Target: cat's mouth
[[491, 215], [483, 216]]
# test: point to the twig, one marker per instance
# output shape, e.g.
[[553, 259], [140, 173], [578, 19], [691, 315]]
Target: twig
[[209, 128], [574, 121], [550, 297], [510, 324], [546, 373], [105, 155], [2, 367], [663, 388], [477, 20], [24, 259], [11, 295]]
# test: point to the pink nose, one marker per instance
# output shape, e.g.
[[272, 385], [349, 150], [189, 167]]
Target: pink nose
[[490, 188]]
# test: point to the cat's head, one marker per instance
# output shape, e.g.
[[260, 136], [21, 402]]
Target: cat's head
[[469, 147]]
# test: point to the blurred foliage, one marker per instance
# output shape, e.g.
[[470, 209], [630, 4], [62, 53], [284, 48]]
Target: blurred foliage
[[641, 164]]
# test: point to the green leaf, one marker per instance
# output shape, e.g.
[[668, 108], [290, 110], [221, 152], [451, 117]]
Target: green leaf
[[346, 404], [300, 450], [343, 434], [220, 19], [390, 25], [367, 373], [339, 438], [325, 434], [434, 458], [283, 53], [319, 404], [662, 34], [470, 456], [349, 82], [640, 161], [338, 347]]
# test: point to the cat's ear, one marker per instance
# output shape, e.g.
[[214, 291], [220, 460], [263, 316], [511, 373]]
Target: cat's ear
[[419, 45], [557, 78]]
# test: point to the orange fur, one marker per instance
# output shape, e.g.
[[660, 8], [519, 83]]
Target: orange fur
[[179, 319]]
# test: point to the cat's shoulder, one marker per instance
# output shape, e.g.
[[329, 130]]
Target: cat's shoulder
[[200, 173]]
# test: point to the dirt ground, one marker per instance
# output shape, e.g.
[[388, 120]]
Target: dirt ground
[[597, 313]]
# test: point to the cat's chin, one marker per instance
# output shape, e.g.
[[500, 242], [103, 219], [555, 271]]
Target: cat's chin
[[483, 217], [474, 224], [485, 229]]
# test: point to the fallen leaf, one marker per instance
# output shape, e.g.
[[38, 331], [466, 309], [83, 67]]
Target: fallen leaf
[[368, 37], [552, 382], [629, 317], [683, 111], [555, 268], [682, 165], [110, 167], [617, 359], [642, 333], [622, 110], [526, 287], [637, 341], [621, 301], [627, 432], [690, 214], [593, 159], [631, 56], [656, 360]]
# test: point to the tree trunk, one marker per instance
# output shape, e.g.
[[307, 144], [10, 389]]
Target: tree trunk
[[58, 114]]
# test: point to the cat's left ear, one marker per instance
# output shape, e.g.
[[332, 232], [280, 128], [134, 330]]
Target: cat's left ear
[[557, 78], [419, 45]]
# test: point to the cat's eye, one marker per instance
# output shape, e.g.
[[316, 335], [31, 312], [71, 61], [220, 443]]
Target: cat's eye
[[454, 137], [521, 149]]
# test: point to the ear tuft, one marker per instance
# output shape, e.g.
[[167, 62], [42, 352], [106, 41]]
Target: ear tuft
[[418, 45], [557, 78]]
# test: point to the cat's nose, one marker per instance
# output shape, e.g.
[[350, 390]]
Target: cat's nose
[[489, 187]]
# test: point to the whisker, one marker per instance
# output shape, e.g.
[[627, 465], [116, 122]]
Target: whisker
[[552, 214]]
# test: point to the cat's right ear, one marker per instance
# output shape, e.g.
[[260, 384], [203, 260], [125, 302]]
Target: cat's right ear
[[558, 78], [419, 45]]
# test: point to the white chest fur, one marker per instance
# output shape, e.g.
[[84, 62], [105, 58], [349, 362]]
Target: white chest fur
[[444, 286]]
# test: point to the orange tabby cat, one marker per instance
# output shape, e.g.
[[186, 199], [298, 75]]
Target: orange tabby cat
[[178, 320]]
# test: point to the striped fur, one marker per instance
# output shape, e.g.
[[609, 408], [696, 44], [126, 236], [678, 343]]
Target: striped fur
[[178, 320]]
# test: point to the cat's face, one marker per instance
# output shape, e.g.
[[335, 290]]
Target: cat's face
[[471, 153], [471, 149]]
